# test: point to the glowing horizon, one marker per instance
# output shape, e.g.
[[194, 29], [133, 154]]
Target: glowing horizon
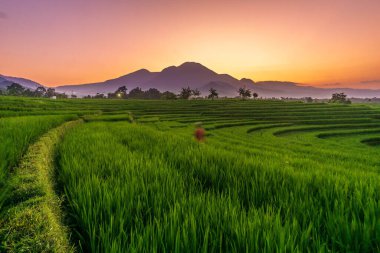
[[77, 41]]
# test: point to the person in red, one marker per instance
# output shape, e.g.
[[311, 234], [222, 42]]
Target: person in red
[[199, 133]]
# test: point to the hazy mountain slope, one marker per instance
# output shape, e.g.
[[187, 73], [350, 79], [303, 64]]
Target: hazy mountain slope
[[4, 83], [289, 89], [223, 89], [28, 84], [132, 80]]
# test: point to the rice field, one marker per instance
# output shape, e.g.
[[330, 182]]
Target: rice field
[[16, 135], [271, 176]]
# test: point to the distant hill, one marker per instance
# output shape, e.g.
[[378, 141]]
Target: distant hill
[[196, 75], [4, 83], [8, 80]]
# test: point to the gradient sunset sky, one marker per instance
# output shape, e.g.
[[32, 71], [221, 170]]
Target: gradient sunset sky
[[324, 42]]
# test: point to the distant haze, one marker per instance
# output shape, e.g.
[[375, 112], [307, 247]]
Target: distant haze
[[81, 41]]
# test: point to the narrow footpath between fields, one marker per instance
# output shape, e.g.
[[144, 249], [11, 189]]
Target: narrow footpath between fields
[[32, 221]]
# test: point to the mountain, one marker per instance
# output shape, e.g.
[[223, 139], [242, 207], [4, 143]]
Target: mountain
[[171, 78], [131, 80], [199, 77], [4, 83], [8, 80], [294, 90]]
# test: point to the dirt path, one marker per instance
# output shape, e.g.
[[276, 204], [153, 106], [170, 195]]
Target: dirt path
[[32, 221]]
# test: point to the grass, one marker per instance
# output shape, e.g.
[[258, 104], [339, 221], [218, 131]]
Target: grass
[[262, 182], [32, 221], [202, 198], [15, 136]]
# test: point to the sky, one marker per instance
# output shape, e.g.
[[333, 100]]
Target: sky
[[324, 43]]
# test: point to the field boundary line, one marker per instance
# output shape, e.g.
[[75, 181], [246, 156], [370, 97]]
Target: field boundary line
[[33, 221]]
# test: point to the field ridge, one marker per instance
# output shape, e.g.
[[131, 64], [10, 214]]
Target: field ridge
[[33, 220]]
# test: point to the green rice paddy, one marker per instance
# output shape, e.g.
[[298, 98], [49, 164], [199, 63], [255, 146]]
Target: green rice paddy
[[271, 176]]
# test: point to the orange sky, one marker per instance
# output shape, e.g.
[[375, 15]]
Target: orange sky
[[81, 41]]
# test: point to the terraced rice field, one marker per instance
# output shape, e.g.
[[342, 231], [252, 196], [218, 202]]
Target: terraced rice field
[[271, 176]]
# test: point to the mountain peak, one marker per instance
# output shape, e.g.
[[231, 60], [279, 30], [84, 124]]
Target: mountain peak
[[142, 71], [247, 81], [191, 64]]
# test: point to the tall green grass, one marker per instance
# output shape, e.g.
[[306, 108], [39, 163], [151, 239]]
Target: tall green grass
[[16, 133], [148, 187], [132, 188]]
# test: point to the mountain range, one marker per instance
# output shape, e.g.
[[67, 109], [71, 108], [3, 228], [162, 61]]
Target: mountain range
[[198, 77]]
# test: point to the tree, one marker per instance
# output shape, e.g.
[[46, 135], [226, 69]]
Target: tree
[[339, 98], [15, 89], [121, 92], [245, 93], [255, 95], [28, 93], [50, 92], [185, 93], [111, 95], [40, 91], [136, 93], [308, 99], [61, 95], [152, 93], [168, 95], [99, 96], [196, 93], [213, 93]]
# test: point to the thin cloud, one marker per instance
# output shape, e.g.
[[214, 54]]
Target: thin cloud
[[370, 81], [330, 85]]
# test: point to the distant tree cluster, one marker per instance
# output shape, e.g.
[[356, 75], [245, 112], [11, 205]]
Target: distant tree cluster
[[136, 93], [340, 98], [186, 93], [245, 93], [16, 89], [152, 93], [308, 100]]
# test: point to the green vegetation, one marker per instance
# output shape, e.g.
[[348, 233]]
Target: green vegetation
[[17, 133], [272, 176], [16, 89], [340, 98], [32, 222]]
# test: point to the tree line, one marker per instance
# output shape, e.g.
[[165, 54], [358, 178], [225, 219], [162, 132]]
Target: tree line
[[152, 93], [16, 89]]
